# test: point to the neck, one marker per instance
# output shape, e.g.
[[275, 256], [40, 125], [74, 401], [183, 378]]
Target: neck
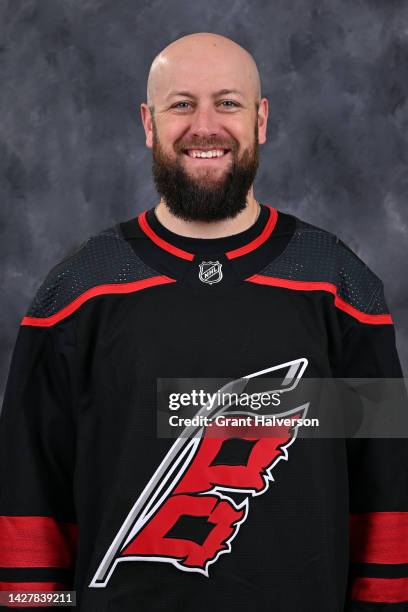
[[213, 229]]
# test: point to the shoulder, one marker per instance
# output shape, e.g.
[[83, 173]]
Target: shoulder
[[104, 260], [320, 259]]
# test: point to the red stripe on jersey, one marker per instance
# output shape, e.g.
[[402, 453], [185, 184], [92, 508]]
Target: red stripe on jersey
[[380, 590], [263, 236], [94, 291], [379, 537], [163, 244], [37, 541], [373, 319]]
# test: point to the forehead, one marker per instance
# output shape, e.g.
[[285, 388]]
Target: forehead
[[203, 76]]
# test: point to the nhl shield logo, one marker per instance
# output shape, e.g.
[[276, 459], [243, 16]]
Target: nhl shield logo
[[210, 272]]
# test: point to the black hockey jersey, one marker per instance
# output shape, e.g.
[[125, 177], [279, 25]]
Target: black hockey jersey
[[92, 499]]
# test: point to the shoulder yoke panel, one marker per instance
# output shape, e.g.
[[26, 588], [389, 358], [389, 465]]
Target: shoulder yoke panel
[[103, 259], [317, 256]]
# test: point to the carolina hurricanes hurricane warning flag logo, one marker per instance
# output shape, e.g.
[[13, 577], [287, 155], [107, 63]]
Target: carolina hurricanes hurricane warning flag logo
[[187, 515]]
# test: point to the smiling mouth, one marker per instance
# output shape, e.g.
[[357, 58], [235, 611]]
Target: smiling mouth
[[209, 155]]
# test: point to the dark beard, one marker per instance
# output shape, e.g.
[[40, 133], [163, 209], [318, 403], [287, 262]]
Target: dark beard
[[193, 200]]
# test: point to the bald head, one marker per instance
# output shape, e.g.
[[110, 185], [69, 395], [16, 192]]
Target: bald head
[[200, 58]]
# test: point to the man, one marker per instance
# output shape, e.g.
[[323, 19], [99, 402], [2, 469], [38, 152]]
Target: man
[[209, 285]]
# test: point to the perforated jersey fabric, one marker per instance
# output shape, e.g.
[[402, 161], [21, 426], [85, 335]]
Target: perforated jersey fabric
[[316, 255], [105, 258]]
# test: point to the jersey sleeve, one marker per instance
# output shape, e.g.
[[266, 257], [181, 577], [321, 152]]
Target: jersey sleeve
[[378, 472], [38, 530]]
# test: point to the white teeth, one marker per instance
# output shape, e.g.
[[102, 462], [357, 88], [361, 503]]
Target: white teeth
[[213, 153]]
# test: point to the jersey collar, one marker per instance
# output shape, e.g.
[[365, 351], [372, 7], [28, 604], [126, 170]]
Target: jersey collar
[[188, 249]]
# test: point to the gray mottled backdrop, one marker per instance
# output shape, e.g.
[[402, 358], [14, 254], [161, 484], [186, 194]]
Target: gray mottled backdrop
[[72, 148]]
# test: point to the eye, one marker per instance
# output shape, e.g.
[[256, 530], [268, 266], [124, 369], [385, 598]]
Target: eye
[[228, 102], [231, 101], [178, 104]]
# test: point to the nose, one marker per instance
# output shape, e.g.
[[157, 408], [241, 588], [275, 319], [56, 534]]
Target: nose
[[205, 122]]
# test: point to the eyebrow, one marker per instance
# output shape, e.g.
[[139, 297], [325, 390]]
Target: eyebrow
[[221, 92]]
